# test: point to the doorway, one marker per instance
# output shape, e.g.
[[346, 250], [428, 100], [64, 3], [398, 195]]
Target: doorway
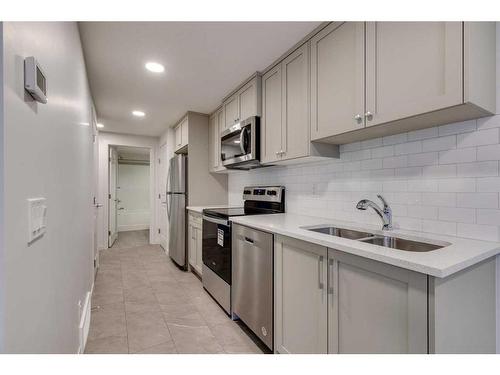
[[130, 208]]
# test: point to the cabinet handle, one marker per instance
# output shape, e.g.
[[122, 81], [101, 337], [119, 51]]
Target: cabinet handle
[[369, 116], [320, 272], [358, 118], [248, 240], [330, 276]]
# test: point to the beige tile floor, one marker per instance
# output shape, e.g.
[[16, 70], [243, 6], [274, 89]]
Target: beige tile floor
[[143, 303]]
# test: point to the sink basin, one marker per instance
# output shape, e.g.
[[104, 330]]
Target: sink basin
[[401, 244], [341, 232], [371, 238]]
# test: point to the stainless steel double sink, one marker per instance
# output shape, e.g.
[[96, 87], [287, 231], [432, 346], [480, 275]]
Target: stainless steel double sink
[[375, 239]]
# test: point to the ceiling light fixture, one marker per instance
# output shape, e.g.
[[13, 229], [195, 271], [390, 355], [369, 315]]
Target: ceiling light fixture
[[100, 125], [138, 113], [155, 67]]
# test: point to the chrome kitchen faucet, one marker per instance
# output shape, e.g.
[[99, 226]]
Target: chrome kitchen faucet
[[384, 213]]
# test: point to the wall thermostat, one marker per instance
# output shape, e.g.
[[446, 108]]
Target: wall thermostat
[[35, 81]]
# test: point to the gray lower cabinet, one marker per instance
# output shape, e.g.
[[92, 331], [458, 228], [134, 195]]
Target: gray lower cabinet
[[300, 314], [374, 307], [329, 301]]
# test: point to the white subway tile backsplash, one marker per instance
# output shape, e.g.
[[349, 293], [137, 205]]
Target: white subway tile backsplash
[[460, 155], [488, 122], [489, 152], [457, 185], [488, 217], [382, 152], [442, 180], [478, 138], [440, 143], [488, 184], [408, 148], [423, 159], [457, 128], [423, 134], [395, 139], [458, 215], [477, 200], [395, 162], [478, 169]]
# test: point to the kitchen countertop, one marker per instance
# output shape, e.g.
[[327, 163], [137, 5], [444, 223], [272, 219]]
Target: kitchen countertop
[[460, 254], [200, 209]]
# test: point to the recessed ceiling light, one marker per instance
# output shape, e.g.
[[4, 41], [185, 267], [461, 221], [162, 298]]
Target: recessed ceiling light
[[138, 113], [155, 67], [100, 125]]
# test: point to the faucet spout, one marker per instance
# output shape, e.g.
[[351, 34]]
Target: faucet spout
[[385, 213]]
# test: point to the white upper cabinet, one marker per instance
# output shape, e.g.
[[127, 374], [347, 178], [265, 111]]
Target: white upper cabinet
[[231, 111], [295, 104], [245, 103], [181, 135], [216, 124], [380, 78], [412, 68], [337, 79], [271, 122]]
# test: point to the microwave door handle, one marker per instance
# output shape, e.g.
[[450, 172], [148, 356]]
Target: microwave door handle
[[242, 145]]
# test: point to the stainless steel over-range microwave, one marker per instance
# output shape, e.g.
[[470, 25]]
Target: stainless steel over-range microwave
[[240, 145]]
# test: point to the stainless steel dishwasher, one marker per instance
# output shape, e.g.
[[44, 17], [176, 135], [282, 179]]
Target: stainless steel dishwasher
[[252, 290]]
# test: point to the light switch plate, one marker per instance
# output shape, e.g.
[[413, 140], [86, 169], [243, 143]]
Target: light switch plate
[[37, 218]]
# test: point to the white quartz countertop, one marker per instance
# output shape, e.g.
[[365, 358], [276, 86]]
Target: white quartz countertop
[[458, 255], [200, 209]]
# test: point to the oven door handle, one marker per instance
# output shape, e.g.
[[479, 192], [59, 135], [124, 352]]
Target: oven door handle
[[216, 221]]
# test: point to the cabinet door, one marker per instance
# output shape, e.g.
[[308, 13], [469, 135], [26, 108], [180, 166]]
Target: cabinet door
[[270, 133], [191, 243], [220, 127], [199, 260], [295, 104], [231, 111], [185, 132], [178, 137], [212, 146], [248, 100], [300, 297], [412, 68], [337, 79], [374, 307]]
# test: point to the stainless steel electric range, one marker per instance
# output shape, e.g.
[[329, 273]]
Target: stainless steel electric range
[[258, 200]]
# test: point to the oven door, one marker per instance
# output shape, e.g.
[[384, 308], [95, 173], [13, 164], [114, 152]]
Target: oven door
[[216, 251], [239, 143]]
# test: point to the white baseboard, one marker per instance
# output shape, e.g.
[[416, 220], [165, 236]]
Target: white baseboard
[[127, 228], [84, 326]]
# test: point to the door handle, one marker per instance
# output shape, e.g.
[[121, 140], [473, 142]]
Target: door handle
[[330, 276], [320, 273], [248, 240]]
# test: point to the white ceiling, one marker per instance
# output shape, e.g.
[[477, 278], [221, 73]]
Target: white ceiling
[[203, 61]]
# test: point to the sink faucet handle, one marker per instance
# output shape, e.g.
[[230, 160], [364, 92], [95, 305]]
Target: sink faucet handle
[[386, 205]]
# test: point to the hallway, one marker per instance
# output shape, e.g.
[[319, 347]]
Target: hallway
[[142, 303]]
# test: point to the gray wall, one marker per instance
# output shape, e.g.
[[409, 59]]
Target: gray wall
[[2, 272], [48, 153]]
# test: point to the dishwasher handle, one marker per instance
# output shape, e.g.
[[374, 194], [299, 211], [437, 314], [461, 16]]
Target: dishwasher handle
[[248, 240]]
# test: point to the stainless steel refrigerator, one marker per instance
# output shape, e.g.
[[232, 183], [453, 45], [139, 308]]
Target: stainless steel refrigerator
[[176, 209]]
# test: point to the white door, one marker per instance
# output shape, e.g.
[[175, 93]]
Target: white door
[[113, 200], [301, 323], [163, 196], [95, 174]]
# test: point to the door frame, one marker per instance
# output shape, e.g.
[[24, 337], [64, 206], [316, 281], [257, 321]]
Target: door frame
[[106, 140], [112, 237]]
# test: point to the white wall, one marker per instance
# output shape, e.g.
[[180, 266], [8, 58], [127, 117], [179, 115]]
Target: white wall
[[134, 194], [48, 153], [440, 180], [2, 248], [115, 139]]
